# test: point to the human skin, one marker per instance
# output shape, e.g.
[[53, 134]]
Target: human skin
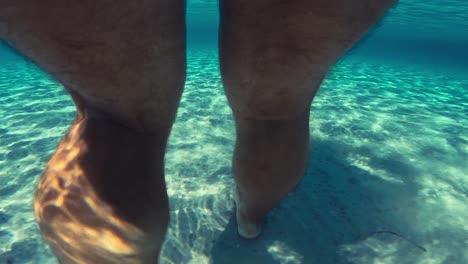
[[274, 56], [102, 197]]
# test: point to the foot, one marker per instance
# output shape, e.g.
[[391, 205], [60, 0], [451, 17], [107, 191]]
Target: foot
[[245, 227]]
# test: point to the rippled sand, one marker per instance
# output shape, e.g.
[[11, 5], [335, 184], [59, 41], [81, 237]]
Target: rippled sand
[[387, 177]]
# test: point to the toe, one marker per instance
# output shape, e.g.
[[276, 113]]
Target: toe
[[246, 229]]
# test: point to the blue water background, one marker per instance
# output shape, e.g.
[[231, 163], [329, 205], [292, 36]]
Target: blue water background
[[414, 31]]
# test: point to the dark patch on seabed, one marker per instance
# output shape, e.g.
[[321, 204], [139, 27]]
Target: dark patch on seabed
[[21, 252], [309, 226]]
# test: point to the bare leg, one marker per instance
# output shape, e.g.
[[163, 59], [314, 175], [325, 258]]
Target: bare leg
[[102, 197], [274, 55]]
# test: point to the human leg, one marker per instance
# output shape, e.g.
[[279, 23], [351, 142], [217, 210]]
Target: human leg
[[274, 56], [102, 196]]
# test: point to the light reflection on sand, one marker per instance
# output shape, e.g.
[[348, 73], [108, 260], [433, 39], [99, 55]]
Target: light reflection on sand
[[388, 146]]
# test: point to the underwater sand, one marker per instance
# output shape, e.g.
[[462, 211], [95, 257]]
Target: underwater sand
[[389, 146]]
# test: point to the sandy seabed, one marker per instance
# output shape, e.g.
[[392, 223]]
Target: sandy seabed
[[386, 182]]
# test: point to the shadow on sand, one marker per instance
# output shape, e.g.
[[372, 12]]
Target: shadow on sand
[[336, 215]]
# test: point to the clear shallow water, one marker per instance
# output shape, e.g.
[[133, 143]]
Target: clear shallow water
[[389, 145]]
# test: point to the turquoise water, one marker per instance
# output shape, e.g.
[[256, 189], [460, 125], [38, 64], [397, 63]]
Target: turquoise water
[[387, 179]]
